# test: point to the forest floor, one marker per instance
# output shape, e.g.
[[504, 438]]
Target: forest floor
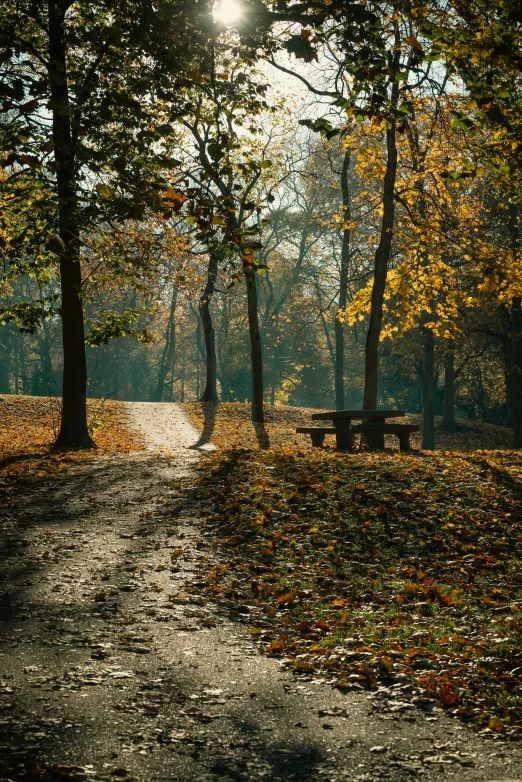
[[160, 606]]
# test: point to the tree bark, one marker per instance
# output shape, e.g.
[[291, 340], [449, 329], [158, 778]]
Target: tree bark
[[182, 379], [448, 422], [382, 257], [343, 286], [73, 427], [256, 351], [41, 381], [516, 331], [4, 375], [169, 351], [210, 392], [428, 410], [5, 358], [199, 352], [509, 376], [516, 338], [223, 366]]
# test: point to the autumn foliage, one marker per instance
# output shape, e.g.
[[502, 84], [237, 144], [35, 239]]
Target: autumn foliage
[[398, 571], [29, 428]]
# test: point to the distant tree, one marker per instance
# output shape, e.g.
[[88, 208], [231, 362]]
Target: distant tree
[[231, 176]]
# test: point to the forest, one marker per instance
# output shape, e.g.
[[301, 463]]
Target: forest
[[221, 222], [271, 215]]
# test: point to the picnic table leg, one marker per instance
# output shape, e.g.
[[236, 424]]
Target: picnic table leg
[[375, 440], [317, 439], [404, 441], [343, 435]]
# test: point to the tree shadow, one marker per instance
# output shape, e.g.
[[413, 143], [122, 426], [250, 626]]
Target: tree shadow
[[48, 450], [209, 424], [64, 641], [501, 475], [263, 440], [465, 437]]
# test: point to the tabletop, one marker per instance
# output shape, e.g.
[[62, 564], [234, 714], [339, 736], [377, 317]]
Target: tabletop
[[332, 415]]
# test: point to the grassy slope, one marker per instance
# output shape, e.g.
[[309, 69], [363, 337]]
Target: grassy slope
[[377, 569]]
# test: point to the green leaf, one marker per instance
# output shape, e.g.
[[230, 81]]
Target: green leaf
[[104, 190], [321, 126], [116, 325]]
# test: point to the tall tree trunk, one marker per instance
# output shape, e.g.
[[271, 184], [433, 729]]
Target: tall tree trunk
[[17, 368], [343, 286], [24, 368], [223, 366], [382, 257], [326, 330], [516, 337], [255, 344], [73, 427], [41, 380], [4, 374], [448, 422], [210, 392], [516, 330], [6, 342], [428, 410], [509, 377], [169, 350], [182, 378], [198, 354]]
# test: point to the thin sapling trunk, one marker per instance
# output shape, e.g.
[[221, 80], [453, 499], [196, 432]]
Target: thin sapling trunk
[[210, 392], [256, 350], [448, 422], [382, 257], [428, 411], [343, 286]]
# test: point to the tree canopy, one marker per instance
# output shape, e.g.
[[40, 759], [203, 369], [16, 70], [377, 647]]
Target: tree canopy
[[154, 155]]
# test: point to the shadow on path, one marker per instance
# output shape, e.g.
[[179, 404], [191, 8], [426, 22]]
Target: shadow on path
[[100, 670]]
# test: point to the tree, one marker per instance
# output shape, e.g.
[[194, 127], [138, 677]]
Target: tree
[[230, 181], [343, 283], [210, 393], [448, 422], [108, 74], [377, 53], [480, 41]]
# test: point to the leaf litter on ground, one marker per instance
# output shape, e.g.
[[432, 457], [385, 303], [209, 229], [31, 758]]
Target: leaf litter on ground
[[393, 572], [30, 426]]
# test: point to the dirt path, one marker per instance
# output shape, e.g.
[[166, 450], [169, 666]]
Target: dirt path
[[111, 670]]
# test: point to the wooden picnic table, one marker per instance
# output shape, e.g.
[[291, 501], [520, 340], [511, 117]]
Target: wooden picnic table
[[342, 419]]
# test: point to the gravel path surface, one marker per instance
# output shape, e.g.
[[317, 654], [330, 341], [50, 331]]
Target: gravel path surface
[[110, 670], [165, 428]]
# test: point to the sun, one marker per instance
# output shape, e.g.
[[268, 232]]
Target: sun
[[227, 11]]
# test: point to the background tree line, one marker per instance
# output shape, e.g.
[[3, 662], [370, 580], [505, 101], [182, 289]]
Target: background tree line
[[176, 227]]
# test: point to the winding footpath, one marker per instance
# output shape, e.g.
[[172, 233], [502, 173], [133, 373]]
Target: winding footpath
[[110, 669]]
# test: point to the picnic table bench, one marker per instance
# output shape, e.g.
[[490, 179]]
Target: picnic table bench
[[402, 431], [317, 433], [373, 428]]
